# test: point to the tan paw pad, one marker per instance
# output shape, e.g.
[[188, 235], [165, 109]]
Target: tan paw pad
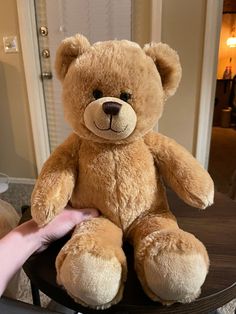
[[91, 279], [176, 277]]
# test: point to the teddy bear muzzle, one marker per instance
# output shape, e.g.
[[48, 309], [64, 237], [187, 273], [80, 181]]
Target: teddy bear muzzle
[[110, 118]]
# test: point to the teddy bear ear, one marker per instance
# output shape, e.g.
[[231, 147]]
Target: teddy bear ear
[[69, 49], [168, 65]]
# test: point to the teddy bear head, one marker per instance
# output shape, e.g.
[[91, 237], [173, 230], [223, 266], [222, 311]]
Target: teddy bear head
[[114, 91]]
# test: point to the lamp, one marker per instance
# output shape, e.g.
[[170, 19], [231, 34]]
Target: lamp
[[231, 41]]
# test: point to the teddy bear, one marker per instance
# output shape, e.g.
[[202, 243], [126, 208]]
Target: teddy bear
[[113, 95]]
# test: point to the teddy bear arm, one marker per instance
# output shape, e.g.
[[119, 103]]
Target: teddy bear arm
[[181, 171], [55, 184]]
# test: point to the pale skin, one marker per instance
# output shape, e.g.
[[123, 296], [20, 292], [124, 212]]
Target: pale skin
[[20, 243]]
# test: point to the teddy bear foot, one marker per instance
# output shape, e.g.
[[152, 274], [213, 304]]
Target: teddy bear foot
[[91, 280], [173, 277], [174, 267], [92, 265]]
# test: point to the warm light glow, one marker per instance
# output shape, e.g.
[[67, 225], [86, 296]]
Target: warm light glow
[[231, 42]]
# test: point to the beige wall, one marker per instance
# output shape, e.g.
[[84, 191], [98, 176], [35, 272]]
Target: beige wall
[[16, 145], [183, 29]]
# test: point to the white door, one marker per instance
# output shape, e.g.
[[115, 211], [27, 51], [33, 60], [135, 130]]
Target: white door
[[58, 19]]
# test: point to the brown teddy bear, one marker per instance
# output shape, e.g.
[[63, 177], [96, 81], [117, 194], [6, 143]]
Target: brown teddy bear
[[113, 94]]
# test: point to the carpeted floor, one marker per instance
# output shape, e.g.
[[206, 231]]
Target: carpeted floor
[[222, 161], [18, 195]]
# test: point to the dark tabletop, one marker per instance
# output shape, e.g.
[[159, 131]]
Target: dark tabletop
[[215, 227]]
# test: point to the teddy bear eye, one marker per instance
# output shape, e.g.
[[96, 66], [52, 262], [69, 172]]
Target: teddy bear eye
[[97, 94], [125, 96]]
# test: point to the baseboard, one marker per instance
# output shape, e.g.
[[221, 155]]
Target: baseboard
[[22, 180]]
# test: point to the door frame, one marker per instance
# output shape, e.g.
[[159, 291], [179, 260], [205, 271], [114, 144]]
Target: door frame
[[214, 10], [29, 46], [156, 19]]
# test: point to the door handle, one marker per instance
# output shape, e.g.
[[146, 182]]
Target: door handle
[[46, 75]]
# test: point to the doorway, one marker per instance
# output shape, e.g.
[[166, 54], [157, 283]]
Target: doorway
[[222, 161]]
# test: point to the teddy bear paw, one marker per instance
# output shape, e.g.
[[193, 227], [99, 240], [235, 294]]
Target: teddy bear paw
[[43, 212], [92, 280], [175, 277]]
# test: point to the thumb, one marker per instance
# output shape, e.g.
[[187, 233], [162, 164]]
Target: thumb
[[83, 214]]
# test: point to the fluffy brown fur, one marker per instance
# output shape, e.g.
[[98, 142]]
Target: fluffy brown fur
[[115, 163]]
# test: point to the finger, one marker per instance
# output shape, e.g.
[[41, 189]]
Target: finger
[[78, 215], [90, 212], [86, 211]]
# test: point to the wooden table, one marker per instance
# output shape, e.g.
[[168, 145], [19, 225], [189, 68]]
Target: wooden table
[[215, 227]]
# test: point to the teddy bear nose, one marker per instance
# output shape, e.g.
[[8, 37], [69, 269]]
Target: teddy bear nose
[[111, 107]]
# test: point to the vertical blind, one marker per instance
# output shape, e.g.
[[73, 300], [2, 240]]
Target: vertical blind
[[96, 19]]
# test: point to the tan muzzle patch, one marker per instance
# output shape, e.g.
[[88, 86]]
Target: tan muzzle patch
[[110, 118]]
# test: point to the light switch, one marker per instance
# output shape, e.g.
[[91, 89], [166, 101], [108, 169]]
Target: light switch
[[10, 44]]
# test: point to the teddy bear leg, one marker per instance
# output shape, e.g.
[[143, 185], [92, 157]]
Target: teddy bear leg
[[171, 264], [92, 265]]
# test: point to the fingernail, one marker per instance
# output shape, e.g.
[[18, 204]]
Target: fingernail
[[91, 212]]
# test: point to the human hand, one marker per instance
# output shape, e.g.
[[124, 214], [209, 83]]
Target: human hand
[[63, 224], [30, 238]]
